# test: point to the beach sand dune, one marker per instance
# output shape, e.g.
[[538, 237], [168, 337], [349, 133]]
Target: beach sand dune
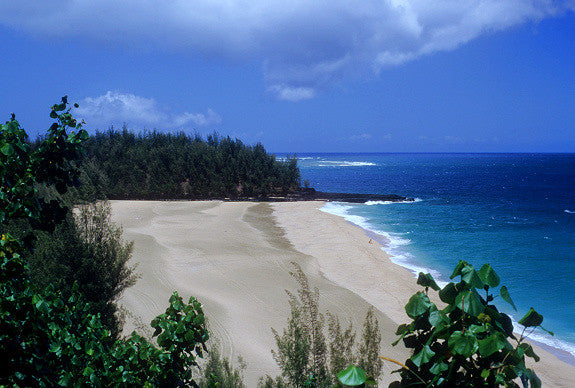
[[235, 257]]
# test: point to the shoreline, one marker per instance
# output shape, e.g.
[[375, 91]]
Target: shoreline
[[235, 258], [415, 268]]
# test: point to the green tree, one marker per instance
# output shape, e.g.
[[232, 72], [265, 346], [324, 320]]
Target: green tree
[[85, 248], [310, 358], [219, 372], [46, 339]]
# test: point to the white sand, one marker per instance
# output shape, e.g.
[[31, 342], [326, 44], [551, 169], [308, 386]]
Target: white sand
[[235, 258]]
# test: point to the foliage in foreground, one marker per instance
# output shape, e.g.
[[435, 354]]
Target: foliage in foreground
[[86, 248], [47, 339], [310, 357], [468, 343]]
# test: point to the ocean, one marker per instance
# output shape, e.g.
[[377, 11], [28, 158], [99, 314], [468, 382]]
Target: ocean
[[514, 211]]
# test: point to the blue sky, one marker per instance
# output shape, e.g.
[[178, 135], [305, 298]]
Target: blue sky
[[302, 76]]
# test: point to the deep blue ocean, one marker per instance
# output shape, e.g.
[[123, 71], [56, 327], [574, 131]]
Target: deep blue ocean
[[514, 211]]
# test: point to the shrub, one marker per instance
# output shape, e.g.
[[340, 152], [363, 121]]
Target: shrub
[[469, 342], [46, 339], [87, 249], [305, 356], [219, 372]]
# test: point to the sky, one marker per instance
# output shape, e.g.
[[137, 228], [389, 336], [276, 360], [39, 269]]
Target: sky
[[302, 75]]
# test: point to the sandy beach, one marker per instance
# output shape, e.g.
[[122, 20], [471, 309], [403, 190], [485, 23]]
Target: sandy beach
[[235, 257]]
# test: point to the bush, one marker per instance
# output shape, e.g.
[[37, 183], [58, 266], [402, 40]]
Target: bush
[[219, 372], [469, 342], [305, 356], [46, 339], [85, 248]]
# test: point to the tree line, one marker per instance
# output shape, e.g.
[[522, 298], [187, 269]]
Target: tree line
[[156, 165]]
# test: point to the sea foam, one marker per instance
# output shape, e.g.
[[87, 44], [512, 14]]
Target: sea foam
[[343, 163], [371, 203], [393, 244]]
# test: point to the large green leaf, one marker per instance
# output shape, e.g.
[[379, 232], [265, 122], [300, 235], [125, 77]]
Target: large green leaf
[[470, 302], [7, 150], [438, 368], [492, 344], [423, 356], [463, 343], [438, 319], [534, 381], [531, 319], [418, 304], [426, 280], [506, 297], [448, 293], [470, 276], [488, 276], [352, 375], [528, 349], [458, 268]]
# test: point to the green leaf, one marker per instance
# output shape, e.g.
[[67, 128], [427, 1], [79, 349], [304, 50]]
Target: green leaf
[[458, 268], [426, 280], [94, 379], [438, 319], [534, 381], [352, 375], [477, 329], [528, 350], [463, 343], [470, 302], [402, 329], [42, 306], [199, 319], [370, 381], [506, 297], [418, 304], [488, 276], [423, 356], [531, 319], [7, 150], [470, 276], [494, 343], [438, 368], [448, 293]]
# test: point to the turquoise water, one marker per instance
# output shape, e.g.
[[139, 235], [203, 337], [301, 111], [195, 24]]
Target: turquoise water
[[514, 211]]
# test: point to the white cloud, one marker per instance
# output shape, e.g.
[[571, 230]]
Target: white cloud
[[305, 45], [361, 137], [116, 108], [289, 93], [200, 119]]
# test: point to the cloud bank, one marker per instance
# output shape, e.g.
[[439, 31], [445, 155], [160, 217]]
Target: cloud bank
[[303, 45], [115, 108]]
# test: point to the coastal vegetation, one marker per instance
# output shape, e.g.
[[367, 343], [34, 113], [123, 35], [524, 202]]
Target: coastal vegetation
[[155, 165], [468, 343], [85, 249], [48, 338], [311, 356]]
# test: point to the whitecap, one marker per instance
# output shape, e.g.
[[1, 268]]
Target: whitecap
[[371, 203], [343, 163]]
